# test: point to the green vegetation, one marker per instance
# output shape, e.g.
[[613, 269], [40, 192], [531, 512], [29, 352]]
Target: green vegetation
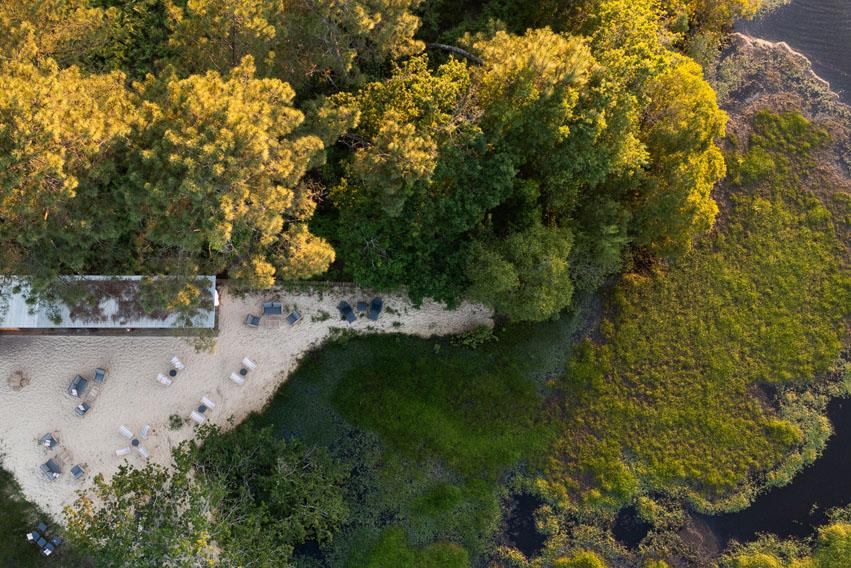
[[582, 559], [244, 499], [522, 154], [427, 437], [17, 517], [670, 401], [830, 548], [392, 551], [421, 483], [270, 141], [474, 413]]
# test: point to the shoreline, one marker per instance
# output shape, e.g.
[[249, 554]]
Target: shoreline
[[814, 31], [782, 45]]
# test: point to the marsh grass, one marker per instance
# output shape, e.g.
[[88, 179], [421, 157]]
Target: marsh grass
[[675, 398]]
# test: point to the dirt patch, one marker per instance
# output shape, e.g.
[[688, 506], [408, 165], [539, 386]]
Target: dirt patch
[[754, 75]]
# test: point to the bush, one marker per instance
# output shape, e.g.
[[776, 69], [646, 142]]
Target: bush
[[393, 551], [475, 337]]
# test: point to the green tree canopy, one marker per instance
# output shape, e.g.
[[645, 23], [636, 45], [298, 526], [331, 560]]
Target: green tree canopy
[[213, 178], [59, 130], [145, 518], [679, 126], [526, 275], [245, 499], [300, 42], [275, 494]]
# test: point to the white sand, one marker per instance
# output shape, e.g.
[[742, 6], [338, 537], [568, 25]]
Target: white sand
[[132, 397]]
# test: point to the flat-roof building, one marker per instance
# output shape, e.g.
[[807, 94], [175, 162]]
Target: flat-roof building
[[113, 304]]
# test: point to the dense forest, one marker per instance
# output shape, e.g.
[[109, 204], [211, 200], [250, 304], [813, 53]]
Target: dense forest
[[515, 153], [672, 289]]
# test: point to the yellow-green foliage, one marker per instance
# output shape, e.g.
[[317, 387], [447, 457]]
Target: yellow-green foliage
[[670, 400], [582, 559], [757, 560], [831, 549]]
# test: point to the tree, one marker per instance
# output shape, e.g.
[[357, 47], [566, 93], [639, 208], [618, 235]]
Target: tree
[[148, 517], [833, 546], [213, 179], [419, 180], [276, 494], [679, 126], [63, 30], [59, 130], [302, 42], [675, 117], [135, 37], [243, 498], [573, 137], [756, 560], [525, 276]]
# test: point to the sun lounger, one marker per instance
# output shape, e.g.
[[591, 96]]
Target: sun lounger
[[163, 380], [249, 364], [42, 527], [48, 440], [122, 451], [146, 429], [78, 472], [33, 536], [237, 379], [143, 451], [199, 418], [78, 386], [100, 375], [252, 321], [346, 311], [48, 548], [177, 364], [362, 306], [126, 432], [42, 542], [375, 307], [82, 409], [207, 402]]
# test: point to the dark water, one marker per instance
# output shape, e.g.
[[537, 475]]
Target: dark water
[[819, 29], [521, 531], [629, 529], [796, 509]]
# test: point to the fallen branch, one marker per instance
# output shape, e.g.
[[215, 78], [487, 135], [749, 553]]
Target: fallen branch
[[457, 51]]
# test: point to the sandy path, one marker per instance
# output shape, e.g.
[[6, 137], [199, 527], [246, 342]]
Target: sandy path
[[132, 397]]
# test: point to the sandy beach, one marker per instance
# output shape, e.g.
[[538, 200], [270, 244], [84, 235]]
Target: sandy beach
[[132, 396]]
